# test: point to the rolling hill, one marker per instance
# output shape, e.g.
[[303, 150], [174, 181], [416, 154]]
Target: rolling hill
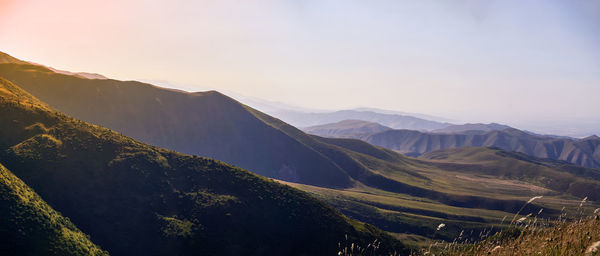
[[487, 172], [584, 152], [29, 226], [131, 198]]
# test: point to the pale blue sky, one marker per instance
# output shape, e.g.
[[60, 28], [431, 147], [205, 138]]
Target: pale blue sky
[[514, 62]]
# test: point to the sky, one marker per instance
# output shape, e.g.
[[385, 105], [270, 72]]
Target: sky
[[521, 62]]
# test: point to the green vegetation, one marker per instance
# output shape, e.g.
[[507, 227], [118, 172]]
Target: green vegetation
[[545, 238], [490, 173], [132, 198], [29, 226]]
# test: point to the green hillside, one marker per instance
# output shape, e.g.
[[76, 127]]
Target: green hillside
[[29, 226], [209, 124], [132, 198], [556, 175], [503, 182]]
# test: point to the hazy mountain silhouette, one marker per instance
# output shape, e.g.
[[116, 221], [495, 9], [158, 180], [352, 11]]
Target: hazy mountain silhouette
[[472, 127], [343, 128], [396, 121]]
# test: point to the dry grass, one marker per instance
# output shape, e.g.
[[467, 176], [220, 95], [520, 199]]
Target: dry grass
[[526, 235]]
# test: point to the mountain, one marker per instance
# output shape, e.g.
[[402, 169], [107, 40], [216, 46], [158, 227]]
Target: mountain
[[7, 59], [472, 127], [346, 128], [208, 124], [396, 121], [394, 112], [136, 199], [29, 226], [584, 152]]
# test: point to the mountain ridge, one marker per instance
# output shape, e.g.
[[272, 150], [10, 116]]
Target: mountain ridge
[[584, 152], [132, 198]]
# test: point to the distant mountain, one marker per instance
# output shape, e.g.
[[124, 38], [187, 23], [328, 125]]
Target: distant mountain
[[346, 129], [302, 119], [135, 199], [584, 152], [394, 112], [472, 127], [79, 74], [29, 226]]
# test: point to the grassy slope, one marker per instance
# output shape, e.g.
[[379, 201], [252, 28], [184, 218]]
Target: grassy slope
[[29, 226], [130, 197], [207, 124], [555, 175], [535, 237], [491, 173]]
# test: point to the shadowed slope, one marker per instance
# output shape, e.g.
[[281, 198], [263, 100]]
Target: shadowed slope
[[208, 124], [29, 226], [136, 199]]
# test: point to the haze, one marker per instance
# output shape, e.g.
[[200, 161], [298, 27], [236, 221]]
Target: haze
[[524, 63]]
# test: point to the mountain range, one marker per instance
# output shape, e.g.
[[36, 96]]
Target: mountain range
[[584, 152], [131, 198]]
